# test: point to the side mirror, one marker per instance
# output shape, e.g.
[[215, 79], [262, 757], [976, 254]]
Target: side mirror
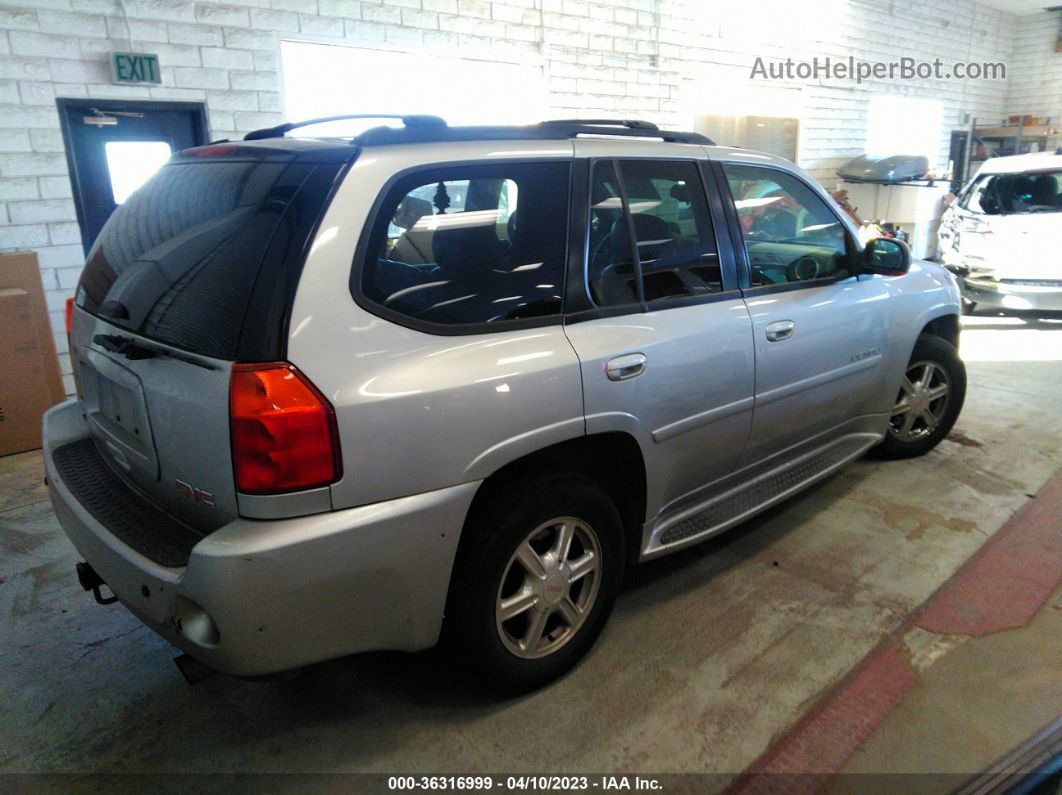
[[887, 256]]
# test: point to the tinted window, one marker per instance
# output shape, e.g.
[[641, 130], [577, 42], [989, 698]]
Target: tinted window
[[471, 244], [177, 262], [672, 229], [676, 244], [1013, 194], [791, 235], [610, 263]]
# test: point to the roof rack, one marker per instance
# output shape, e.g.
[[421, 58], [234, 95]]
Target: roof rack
[[430, 129], [631, 124], [551, 130], [282, 129]]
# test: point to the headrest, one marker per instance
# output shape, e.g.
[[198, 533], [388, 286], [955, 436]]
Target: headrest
[[467, 248], [410, 210], [646, 227], [1044, 189]]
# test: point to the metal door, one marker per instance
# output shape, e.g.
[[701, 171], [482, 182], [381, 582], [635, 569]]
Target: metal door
[[114, 146]]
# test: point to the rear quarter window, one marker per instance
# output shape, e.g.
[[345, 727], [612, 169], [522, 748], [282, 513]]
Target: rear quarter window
[[464, 246]]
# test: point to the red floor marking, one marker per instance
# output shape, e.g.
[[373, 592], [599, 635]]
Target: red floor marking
[[1007, 580], [1003, 585], [826, 736]]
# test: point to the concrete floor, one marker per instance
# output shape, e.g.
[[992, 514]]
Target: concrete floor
[[1009, 681], [710, 654]]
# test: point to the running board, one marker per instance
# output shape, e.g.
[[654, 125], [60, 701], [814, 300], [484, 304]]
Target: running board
[[742, 502]]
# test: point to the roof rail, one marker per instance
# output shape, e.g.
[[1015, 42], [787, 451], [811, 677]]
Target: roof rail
[[281, 129], [553, 130], [428, 129], [630, 124]]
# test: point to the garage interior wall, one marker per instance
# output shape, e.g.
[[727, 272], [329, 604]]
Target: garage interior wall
[[661, 60], [1036, 85]]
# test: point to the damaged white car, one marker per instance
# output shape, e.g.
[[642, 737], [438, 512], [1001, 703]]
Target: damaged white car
[[1000, 237]]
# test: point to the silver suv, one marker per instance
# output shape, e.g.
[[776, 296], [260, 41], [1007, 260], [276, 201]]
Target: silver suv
[[443, 383]]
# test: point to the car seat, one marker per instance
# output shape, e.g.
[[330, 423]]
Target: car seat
[[655, 241], [776, 224], [1045, 191]]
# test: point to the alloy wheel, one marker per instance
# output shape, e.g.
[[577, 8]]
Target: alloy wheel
[[921, 402], [549, 587]]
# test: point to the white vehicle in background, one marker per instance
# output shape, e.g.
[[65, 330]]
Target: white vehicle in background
[[1001, 236]]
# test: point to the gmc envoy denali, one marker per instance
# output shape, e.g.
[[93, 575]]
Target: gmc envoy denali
[[444, 384]]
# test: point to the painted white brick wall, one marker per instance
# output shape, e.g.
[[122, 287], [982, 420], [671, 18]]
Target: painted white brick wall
[[654, 59], [1036, 85]]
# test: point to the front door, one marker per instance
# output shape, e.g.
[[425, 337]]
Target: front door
[[819, 330], [113, 147], [664, 342]]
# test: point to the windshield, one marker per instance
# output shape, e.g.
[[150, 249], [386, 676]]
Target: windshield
[[1014, 194]]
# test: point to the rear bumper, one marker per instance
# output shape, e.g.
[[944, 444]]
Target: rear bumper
[[257, 597], [1000, 295]]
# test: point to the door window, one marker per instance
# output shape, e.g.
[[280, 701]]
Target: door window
[[791, 234], [610, 266], [673, 235], [471, 244]]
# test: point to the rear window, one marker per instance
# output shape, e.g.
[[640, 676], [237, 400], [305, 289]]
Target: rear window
[[178, 261]]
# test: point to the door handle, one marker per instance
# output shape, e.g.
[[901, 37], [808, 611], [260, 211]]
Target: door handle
[[780, 330], [624, 367]]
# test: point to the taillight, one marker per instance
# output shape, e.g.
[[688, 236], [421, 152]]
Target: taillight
[[284, 434], [69, 315]]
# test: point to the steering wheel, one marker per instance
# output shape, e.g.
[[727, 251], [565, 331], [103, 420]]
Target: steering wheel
[[597, 252], [803, 269]]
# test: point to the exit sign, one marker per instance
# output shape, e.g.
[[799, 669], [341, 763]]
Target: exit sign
[[135, 67]]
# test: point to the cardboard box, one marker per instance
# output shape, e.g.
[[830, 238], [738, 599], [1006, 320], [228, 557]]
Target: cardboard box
[[30, 382]]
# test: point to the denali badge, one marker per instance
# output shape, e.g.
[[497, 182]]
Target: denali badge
[[866, 354], [200, 496]]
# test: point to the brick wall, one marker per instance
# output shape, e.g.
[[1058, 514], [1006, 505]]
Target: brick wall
[[1036, 84], [664, 60]]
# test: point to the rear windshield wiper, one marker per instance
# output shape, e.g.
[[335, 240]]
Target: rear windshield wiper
[[131, 349], [123, 346]]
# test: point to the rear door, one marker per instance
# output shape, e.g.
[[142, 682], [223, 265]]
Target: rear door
[[190, 273], [662, 334], [820, 332]]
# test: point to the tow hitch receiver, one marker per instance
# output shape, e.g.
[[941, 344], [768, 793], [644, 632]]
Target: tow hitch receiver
[[91, 581], [193, 670]]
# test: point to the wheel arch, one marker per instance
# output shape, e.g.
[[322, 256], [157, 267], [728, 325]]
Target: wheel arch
[[612, 459], [944, 326]]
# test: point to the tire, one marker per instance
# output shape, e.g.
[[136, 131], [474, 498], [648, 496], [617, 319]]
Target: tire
[[505, 654], [927, 419]]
